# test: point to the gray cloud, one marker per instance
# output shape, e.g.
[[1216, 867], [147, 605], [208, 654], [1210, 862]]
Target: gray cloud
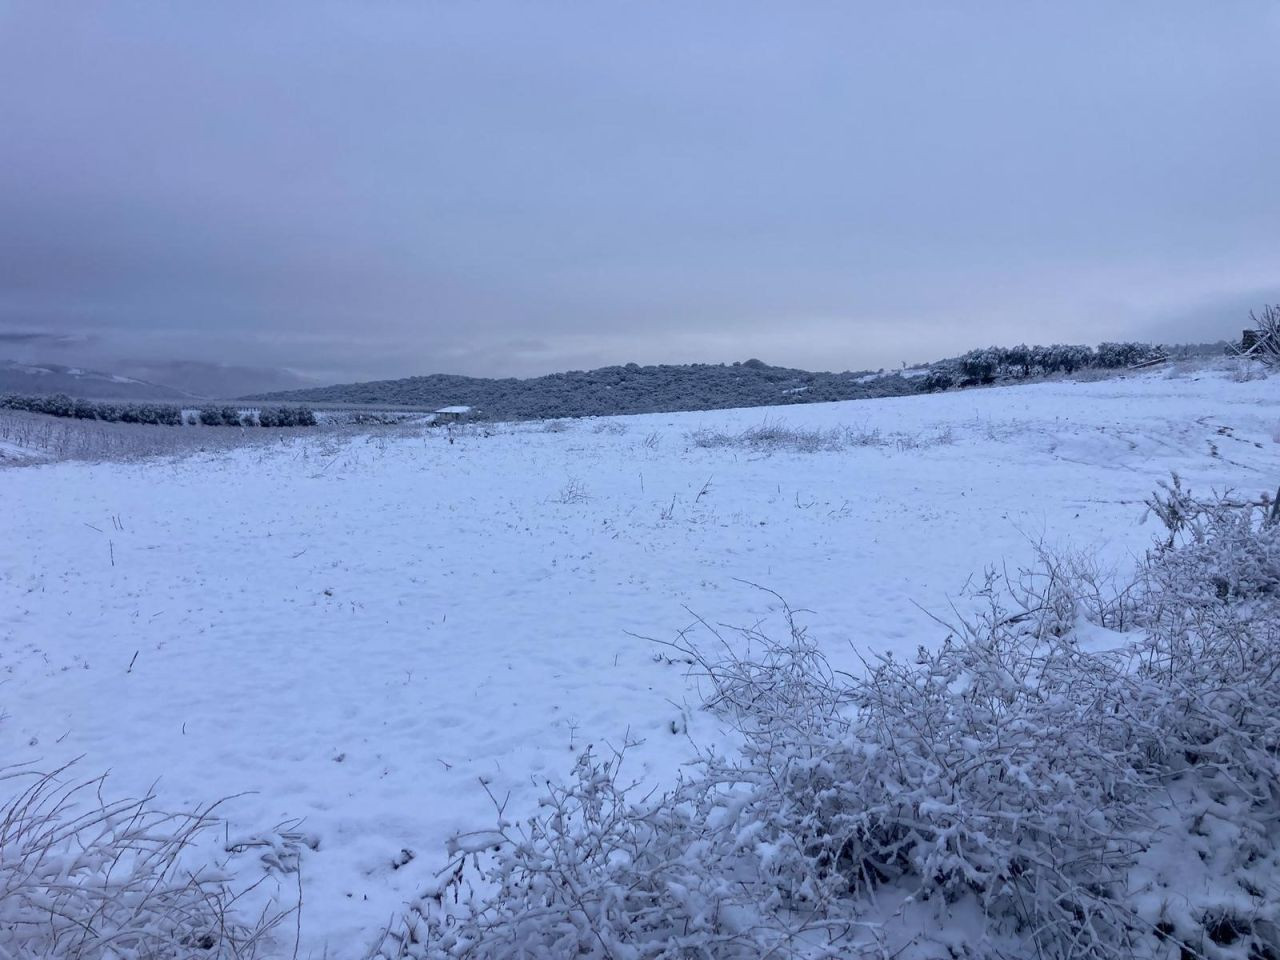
[[37, 339], [1225, 312], [375, 189]]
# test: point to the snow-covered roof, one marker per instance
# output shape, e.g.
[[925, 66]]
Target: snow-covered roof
[[454, 410]]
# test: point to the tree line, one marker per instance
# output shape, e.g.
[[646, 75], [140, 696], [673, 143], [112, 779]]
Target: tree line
[[1016, 363], [163, 414]]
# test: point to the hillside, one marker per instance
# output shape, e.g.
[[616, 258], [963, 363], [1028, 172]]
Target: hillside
[[607, 391], [174, 380], [446, 612], [625, 389], [633, 389], [615, 391], [49, 378], [218, 380]]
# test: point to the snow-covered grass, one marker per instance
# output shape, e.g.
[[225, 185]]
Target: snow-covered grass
[[27, 438], [771, 436], [33, 437], [1015, 792], [372, 633]]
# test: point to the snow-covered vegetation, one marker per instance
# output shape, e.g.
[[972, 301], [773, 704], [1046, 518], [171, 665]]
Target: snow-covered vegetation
[[367, 637], [159, 414], [632, 388], [1084, 769], [85, 876], [33, 438]]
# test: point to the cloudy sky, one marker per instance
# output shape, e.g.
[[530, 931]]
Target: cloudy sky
[[372, 189]]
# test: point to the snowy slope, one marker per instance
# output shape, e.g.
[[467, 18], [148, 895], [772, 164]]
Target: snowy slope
[[359, 631], [49, 378]]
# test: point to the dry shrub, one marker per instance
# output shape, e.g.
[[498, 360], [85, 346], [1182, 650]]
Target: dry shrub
[[772, 436], [85, 878], [612, 427]]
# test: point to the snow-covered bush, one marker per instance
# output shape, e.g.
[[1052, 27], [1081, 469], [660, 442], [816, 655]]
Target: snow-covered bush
[[58, 405], [286, 417], [1080, 771], [368, 418], [84, 878], [1122, 354], [980, 366], [153, 413], [772, 435], [941, 376], [1069, 357], [1246, 369]]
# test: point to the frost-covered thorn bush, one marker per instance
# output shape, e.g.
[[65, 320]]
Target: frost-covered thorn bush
[[92, 879], [1085, 768]]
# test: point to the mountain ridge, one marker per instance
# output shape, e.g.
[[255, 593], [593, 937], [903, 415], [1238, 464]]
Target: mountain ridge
[[52, 378]]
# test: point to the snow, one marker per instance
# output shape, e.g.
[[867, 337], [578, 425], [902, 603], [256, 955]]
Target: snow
[[906, 372], [11, 453], [360, 638]]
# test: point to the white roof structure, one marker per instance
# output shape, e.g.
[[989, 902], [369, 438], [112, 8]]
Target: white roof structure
[[454, 410]]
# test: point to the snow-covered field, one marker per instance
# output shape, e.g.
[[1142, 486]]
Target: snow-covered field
[[351, 634]]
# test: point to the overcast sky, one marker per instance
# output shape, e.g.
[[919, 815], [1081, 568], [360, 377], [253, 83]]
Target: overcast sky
[[372, 189]]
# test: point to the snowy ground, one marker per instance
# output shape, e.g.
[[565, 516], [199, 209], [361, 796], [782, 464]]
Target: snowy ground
[[357, 631]]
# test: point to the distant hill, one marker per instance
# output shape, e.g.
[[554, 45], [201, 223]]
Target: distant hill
[[217, 379], [175, 380], [752, 383], [615, 390], [43, 379]]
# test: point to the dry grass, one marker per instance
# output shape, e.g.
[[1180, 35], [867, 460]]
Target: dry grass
[[773, 436], [42, 439]]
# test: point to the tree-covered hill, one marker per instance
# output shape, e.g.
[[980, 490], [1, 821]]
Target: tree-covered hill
[[699, 386], [615, 390]]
